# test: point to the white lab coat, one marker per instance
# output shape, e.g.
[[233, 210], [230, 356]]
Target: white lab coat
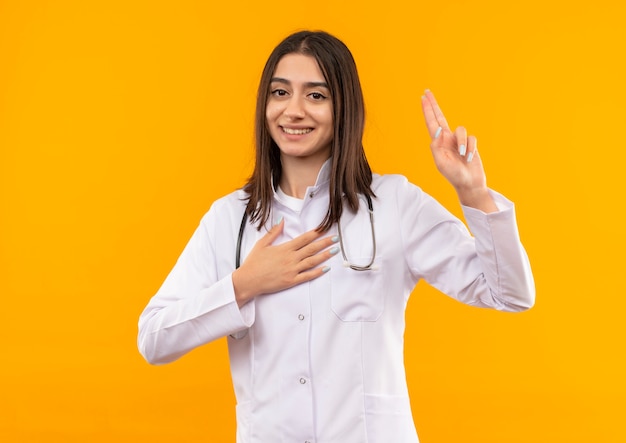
[[322, 362]]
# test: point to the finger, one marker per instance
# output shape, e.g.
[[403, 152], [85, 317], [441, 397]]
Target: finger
[[303, 240], [315, 260], [437, 110], [433, 114], [273, 233], [461, 140], [429, 117], [311, 274], [472, 148], [313, 249]]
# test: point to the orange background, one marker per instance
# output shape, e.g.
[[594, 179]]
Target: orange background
[[121, 121]]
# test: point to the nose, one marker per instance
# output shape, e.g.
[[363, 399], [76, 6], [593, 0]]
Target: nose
[[294, 108]]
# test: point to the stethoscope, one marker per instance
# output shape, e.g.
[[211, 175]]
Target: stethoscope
[[346, 261]]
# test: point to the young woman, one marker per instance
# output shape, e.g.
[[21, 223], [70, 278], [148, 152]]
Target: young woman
[[310, 292]]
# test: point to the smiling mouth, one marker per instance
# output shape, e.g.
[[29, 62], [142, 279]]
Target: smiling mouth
[[292, 131]]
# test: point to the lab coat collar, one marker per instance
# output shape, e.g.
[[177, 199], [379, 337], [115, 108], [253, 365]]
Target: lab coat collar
[[323, 176]]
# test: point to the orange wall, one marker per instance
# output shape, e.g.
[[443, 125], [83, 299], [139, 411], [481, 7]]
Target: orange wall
[[121, 121]]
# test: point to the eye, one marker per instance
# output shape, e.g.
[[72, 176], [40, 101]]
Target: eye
[[279, 92], [317, 96]]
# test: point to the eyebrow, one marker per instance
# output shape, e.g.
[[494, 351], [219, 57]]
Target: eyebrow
[[307, 84]]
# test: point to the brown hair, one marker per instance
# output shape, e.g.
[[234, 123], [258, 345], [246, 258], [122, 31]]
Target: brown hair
[[350, 171]]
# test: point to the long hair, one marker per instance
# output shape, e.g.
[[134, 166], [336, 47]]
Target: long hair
[[350, 171]]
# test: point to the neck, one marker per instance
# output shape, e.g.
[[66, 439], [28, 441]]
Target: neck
[[298, 174]]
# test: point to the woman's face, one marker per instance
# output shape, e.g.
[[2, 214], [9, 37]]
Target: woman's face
[[299, 111]]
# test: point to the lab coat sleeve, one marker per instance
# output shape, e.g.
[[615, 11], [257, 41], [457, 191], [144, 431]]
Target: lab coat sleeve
[[193, 306], [488, 269], [505, 264]]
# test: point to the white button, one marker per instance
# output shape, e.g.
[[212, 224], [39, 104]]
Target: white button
[[302, 380], [301, 317]]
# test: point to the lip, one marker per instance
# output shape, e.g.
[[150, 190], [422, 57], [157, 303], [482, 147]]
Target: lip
[[295, 127]]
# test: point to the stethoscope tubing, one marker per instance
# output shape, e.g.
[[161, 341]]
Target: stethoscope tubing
[[370, 207]]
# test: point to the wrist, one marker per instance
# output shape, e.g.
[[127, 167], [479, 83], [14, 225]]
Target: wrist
[[243, 292], [478, 199]]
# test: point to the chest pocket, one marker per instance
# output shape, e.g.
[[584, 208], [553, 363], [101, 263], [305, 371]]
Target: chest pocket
[[358, 295]]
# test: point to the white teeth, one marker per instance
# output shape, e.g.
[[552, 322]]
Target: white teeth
[[297, 131]]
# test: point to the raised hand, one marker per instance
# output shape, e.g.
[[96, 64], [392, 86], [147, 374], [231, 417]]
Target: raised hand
[[456, 157], [271, 268]]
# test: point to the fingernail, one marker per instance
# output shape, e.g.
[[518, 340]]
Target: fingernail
[[426, 90], [438, 132], [277, 222], [334, 250], [335, 239], [326, 269], [470, 156], [462, 149]]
